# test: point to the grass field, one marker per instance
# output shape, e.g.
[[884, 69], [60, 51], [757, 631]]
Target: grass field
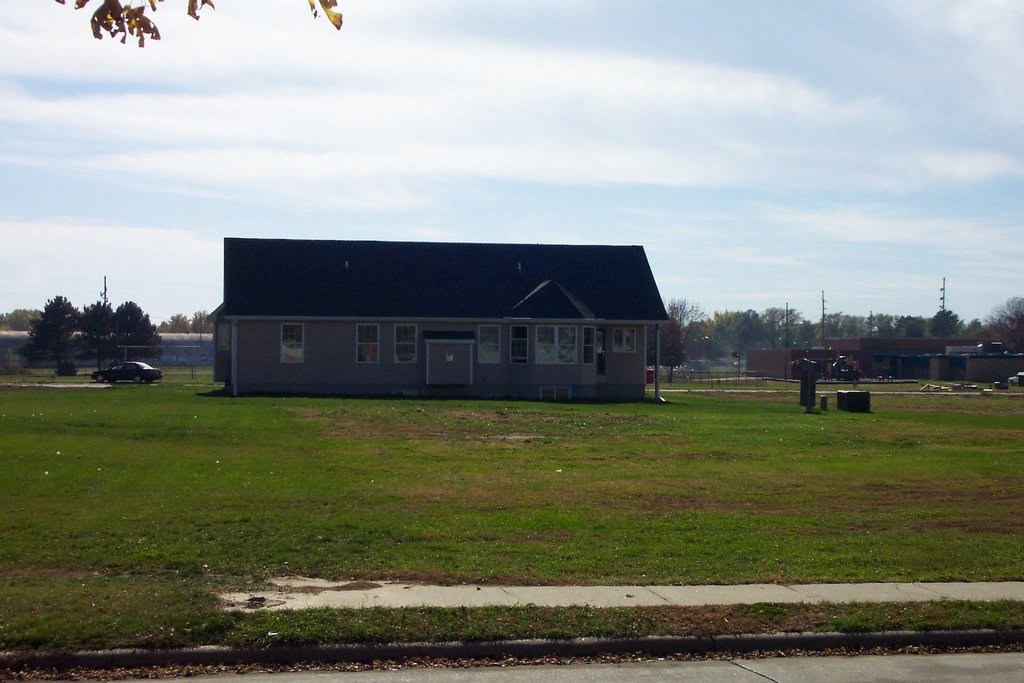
[[125, 509]]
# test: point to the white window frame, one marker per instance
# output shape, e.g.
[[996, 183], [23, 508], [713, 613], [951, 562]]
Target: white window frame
[[293, 354], [589, 348], [623, 340], [484, 344], [375, 343], [513, 357], [415, 331], [555, 345]]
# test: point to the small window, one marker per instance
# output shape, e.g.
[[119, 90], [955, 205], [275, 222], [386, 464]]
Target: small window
[[624, 339], [489, 346], [519, 344], [588, 345], [555, 394], [223, 336], [405, 343], [292, 344], [556, 345], [367, 347]]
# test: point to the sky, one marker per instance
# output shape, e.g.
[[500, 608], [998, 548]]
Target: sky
[[761, 152]]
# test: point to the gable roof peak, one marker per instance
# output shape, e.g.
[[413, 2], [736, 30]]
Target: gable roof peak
[[550, 299]]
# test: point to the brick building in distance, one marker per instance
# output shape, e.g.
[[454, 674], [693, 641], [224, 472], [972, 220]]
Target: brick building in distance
[[935, 359]]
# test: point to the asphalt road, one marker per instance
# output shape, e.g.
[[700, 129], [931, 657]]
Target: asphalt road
[[977, 668]]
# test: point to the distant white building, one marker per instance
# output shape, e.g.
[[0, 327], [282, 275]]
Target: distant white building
[[178, 349]]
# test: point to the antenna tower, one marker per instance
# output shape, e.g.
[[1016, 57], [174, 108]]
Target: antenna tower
[[823, 318]]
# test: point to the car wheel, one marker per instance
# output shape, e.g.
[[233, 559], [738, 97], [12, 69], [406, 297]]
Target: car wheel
[[137, 379], [99, 379]]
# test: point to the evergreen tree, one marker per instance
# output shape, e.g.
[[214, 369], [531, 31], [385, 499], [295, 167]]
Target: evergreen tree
[[98, 339], [910, 326], [135, 333], [52, 338], [945, 324]]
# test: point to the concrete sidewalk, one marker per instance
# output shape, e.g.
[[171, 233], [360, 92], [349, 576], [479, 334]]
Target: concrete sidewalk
[[303, 593]]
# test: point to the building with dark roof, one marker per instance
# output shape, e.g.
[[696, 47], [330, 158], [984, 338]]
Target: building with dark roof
[[435, 319]]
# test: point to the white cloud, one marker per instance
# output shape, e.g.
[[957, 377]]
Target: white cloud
[[984, 36], [418, 119], [970, 166], [885, 225], [155, 268], [428, 110]]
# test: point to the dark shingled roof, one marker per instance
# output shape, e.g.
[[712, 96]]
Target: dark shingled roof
[[320, 278]]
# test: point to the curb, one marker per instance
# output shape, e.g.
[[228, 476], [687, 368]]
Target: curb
[[522, 649]]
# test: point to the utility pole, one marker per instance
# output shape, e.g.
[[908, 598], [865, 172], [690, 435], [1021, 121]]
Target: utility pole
[[787, 324], [104, 292], [942, 296], [823, 318]]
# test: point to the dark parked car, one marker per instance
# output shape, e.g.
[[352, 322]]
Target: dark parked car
[[129, 372]]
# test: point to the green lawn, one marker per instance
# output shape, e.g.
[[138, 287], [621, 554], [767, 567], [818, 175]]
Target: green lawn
[[133, 504]]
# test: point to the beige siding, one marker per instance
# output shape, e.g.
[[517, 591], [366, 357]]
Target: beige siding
[[330, 364]]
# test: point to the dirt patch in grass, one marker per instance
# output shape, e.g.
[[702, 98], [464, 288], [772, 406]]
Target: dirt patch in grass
[[29, 572], [973, 525], [488, 425], [930, 493], [972, 403], [871, 506]]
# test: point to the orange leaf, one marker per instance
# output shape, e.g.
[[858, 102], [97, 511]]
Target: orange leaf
[[332, 16]]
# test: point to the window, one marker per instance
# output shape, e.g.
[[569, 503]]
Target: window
[[405, 343], [366, 343], [223, 336], [555, 393], [588, 345], [489, 344], [519, 344], [624, 339], [292, 345], [556, 345]]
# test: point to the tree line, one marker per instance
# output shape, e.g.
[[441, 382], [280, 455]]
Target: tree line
[[62, 333], [692, 333]]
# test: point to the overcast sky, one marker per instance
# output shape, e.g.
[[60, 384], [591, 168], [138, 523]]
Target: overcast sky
[[760, 151]]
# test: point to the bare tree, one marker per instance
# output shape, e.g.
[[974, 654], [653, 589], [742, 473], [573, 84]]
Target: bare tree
[[685, 321], [1006, 321]]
